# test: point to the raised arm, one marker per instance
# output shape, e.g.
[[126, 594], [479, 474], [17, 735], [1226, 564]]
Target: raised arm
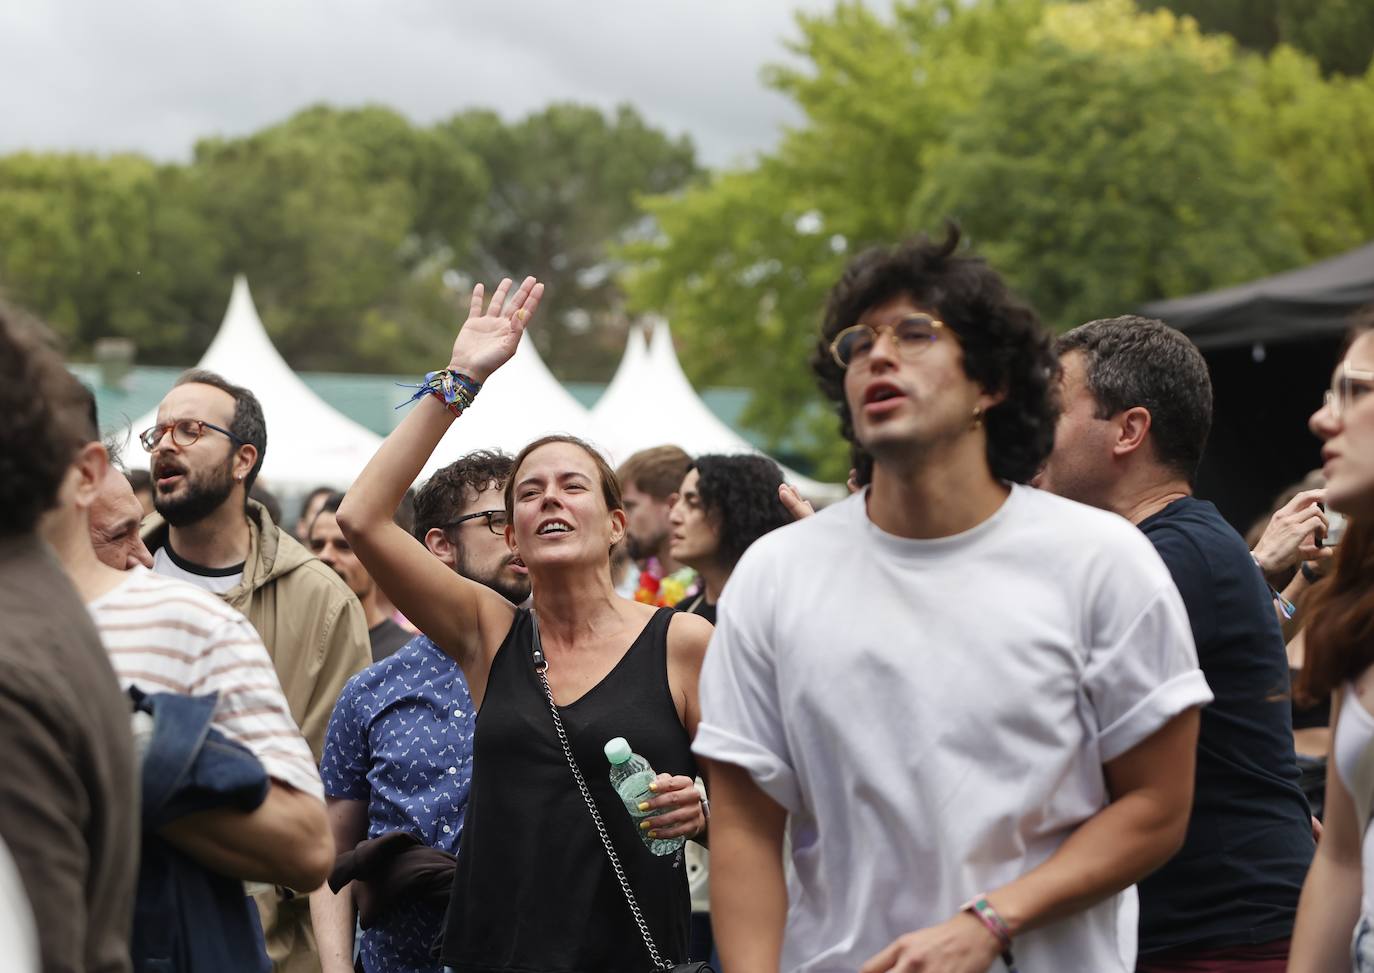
[[461, 616]]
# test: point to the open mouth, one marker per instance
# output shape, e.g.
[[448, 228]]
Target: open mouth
[[554, 527], [167, 478], [881, 392]]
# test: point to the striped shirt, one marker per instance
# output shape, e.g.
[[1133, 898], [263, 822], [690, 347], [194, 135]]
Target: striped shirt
[[168, 636]]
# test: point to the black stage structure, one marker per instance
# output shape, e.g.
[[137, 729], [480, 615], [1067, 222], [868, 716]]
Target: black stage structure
[[1271, 346]]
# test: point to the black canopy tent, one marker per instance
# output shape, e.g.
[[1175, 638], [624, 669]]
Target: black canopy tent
[[1270, 345]]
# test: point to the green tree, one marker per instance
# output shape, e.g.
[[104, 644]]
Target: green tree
[[103, 247], [565, 184], [1099, 155], [1338, 33]]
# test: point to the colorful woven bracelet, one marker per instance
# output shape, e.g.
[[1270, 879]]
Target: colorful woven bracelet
[[981, 909], [454, 389]]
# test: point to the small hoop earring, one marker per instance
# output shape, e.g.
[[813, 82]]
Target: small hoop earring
[[977, 416]]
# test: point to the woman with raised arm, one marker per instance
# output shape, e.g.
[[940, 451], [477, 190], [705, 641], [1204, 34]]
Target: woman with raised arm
[[534, 888]]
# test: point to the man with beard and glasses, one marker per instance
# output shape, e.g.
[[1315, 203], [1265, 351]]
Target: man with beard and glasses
[[398, 758], [207, 448], [649, 481]]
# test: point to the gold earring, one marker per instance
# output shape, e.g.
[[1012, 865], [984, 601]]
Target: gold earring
[[977, 416]]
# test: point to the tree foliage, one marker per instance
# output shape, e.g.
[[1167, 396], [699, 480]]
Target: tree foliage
[[1099, 155], [359, 231], [1339, 34]]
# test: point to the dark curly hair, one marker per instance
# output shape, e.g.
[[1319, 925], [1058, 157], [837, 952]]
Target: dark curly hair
[[741, 494], [438, 501], [1005, 347], [44, 419]]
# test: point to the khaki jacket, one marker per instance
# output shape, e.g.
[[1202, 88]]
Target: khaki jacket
[[312, 624]]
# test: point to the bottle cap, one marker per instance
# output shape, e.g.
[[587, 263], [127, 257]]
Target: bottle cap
[[618, 750]]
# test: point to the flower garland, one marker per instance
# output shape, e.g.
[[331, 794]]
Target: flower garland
[[655, 589]]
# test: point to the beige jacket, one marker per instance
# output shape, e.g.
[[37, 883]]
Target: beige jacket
[[316, 633]]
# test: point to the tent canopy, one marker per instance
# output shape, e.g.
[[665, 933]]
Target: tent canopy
[[1312, 302], [308, 442], [650, 402]]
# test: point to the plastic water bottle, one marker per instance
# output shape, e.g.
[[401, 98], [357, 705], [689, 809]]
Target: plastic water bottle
[[631, 776]]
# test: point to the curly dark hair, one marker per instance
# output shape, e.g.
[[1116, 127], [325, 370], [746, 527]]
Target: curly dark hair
[[1135, 361], [438, 501], [44, 420], [1005, 347], [741, 494]]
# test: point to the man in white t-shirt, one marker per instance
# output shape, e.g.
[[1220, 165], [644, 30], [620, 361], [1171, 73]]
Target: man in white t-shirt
[[164, 635], [973, 705]]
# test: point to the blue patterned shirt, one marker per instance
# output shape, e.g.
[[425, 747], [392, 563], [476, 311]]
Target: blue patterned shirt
[[400, 738]]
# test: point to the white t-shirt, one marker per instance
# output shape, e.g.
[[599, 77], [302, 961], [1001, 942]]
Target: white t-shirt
[[935, 714], [169, 565], [167, 636]]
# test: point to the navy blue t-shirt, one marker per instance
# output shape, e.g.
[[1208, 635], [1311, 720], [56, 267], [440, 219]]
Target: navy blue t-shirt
[[1238, 876]]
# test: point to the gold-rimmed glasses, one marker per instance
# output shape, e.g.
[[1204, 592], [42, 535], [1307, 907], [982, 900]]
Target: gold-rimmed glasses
[[911, 335]]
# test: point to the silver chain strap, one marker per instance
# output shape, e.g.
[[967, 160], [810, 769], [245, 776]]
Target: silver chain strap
[[541, 665]]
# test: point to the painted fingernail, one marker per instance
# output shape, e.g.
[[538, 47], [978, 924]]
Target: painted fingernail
[[654, 787], [645, 826], [653, 834], [644, 805]]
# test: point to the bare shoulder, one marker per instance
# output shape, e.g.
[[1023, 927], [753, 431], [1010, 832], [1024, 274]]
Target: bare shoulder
[[688, 635]]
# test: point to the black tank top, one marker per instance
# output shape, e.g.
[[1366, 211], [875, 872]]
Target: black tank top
[[534, 891]]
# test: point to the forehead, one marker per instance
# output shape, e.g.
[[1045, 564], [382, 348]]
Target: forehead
[[490, 497], [196, 401], [116, 501], [1073, 375], [689, 482], [1361, 353], [894, 309], [326, 524], [557, 460]]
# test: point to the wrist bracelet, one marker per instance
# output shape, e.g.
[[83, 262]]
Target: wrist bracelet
[[454, 389], [981, 909]]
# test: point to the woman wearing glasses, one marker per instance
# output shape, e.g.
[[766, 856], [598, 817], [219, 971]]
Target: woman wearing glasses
[[534, 889], [1340, 659]]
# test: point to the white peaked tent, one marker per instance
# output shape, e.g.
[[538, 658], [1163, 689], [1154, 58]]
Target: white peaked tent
[[309, 443], [520, 402], [650, 402]]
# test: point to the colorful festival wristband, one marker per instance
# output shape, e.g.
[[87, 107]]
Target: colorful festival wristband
[[454, 389], [981, 909]]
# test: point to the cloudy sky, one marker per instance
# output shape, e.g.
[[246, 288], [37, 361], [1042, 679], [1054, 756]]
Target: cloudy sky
[[155, 75]]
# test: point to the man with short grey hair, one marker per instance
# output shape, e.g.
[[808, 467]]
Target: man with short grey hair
[[1137, 408]]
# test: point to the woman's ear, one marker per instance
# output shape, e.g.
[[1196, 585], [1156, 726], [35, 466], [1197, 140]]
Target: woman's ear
[[618, 522]]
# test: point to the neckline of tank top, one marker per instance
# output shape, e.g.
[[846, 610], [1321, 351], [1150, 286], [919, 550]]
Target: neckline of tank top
[[624, 657]]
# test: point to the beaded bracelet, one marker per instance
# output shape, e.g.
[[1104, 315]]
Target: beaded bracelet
[[454, 389], [981, 909]]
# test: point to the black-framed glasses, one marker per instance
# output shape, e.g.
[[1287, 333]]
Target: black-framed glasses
[[496, 520], [912, 335], [1349, 388], [185, 432]]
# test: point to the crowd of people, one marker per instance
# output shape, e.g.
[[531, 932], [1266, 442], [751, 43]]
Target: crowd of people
[[1021, 701]]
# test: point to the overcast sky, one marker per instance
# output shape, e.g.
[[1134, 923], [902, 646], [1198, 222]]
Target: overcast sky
[[154, 75]]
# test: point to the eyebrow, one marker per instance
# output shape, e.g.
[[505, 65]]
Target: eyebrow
[[564, 476]]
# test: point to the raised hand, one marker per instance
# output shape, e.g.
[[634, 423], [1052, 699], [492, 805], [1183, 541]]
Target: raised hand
[[489, 337]]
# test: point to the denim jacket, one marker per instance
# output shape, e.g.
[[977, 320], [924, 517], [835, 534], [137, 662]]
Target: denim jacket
[[187, 918]]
